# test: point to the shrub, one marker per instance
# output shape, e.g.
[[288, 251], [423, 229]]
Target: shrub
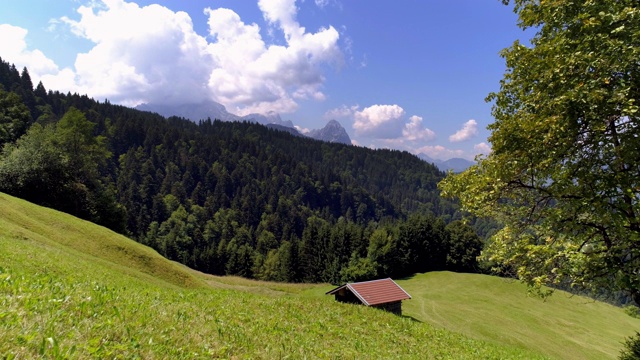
[[631, 349], [632, 311]]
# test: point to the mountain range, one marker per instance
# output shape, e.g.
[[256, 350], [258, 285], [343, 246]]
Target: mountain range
[[454, 164], [333, 132]]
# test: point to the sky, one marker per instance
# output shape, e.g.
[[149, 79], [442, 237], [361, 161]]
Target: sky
[[409, 75]]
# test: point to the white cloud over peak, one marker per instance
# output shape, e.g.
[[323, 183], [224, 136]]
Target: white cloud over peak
[[379, 121], [253, 77], [341, 112], [153, 54], [468, 131]]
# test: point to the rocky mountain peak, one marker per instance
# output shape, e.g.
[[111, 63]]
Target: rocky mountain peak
[[332, 132]]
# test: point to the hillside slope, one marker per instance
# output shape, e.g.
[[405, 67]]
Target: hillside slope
[[55, 232], [70, 289], [498, 310]]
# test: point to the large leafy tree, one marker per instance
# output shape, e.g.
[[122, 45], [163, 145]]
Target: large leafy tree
[[58, 165], [564, 173]]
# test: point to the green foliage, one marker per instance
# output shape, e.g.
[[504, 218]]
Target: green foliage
[[464, 247], [631, 348], [85, 152], [35, 166], [58, 165], [359, 269], [632, 311], [14, 117], [563, 176]]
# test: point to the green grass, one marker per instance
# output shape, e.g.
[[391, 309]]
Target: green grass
[[70, 289], [499, 310]]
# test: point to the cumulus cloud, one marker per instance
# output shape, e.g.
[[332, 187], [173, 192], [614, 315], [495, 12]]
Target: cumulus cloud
[[251, 76], [468, 131], [415, 131], [342, 112], [379, 121], [439, 152], [482, 148], [302, 130], [152, 54], [14, 50], [141, 54]]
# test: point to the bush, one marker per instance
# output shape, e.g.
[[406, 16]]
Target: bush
[[631, 349], [632, 311]]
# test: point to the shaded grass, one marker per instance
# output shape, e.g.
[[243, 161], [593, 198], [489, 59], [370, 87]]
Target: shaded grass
[[69, 289], [499, 310]]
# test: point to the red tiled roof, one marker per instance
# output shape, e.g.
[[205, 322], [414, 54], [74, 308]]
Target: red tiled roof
[[375, 292]]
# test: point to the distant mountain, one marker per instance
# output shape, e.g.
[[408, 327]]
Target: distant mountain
[[271, 117], [290, 130], [193, 112], [428, 158], [332, 132], [211, 109], [453, 164], [457, 164]]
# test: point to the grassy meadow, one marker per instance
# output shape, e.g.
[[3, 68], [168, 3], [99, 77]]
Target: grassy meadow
[[70, 289], [498, 310]]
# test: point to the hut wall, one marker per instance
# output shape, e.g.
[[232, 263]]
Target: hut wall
[[394, 307], [347, 296]]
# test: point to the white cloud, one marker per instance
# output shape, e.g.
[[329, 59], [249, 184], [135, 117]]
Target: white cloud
[[468, 131], [439, 152], [415, 131], [141, 54], [302, 130], [153, 54], [482, 149], [253, 77], [341, 112], [14, 50], [379, 121]]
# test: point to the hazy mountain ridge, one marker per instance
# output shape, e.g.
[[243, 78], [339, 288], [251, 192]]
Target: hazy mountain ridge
[[332, 132], [453, 164]]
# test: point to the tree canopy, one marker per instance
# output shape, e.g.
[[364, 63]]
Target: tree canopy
[[564, 172]]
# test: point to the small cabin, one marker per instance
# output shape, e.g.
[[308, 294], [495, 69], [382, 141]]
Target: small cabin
[[383, 293]]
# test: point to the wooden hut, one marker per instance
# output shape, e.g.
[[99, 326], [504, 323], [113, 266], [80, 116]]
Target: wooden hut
[[383, 293]]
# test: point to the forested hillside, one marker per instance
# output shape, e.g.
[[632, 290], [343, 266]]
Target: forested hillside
[[229, 198]]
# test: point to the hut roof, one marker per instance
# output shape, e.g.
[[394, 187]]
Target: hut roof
[[375, 292]]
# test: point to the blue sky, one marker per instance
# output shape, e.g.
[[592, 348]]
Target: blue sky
[[409, 75]]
